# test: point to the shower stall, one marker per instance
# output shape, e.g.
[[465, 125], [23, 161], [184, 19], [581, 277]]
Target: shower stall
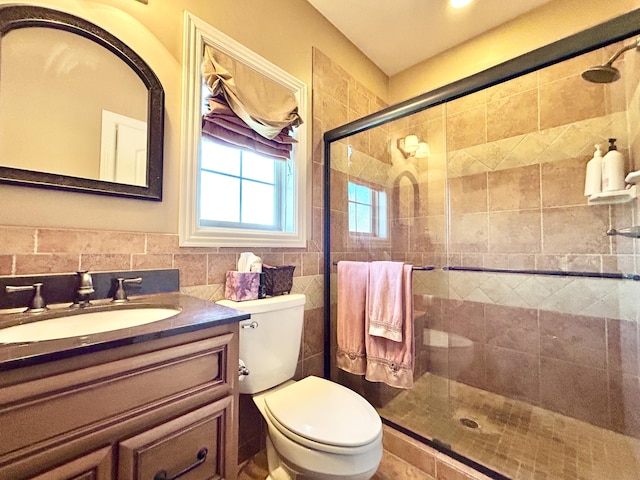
[[526, 311]]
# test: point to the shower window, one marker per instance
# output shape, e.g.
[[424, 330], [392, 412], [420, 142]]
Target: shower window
[[367, 210]]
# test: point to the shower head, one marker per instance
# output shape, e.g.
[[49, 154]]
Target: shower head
[[607, 73], [601, 74]]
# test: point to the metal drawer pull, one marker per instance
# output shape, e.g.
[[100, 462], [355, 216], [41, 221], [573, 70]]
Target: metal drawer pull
[[253, 324], [201, 458]]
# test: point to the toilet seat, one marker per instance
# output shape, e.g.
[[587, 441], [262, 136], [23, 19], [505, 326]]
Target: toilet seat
[[324, 416]]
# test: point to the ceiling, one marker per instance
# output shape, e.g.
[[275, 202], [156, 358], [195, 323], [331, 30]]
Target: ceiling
[[397, 34]]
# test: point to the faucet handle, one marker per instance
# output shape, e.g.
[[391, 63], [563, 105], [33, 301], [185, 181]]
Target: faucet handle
[[121, 294], [85, 282], [37, 304]]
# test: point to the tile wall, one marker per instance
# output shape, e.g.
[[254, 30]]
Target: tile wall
[[503, 188]]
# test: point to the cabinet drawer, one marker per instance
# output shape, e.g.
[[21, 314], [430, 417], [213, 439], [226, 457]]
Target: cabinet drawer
[[60, 407], [92, 466], [193, 443]]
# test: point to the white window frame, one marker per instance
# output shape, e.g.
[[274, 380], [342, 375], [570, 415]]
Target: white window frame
[[197, 33]]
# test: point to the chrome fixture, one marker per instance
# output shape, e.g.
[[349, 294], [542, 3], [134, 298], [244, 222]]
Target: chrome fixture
[[607, 73], [37, 303], [632, 232], [121, 294], [411, 146], [85, 288]]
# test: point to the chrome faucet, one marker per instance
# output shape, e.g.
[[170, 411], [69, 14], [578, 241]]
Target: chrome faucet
[[85, 288], [37, 304]]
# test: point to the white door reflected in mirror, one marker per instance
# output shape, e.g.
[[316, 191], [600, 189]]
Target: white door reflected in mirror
[[123, 152]]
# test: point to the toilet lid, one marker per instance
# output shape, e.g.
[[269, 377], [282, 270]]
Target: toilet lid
[[325, 412]]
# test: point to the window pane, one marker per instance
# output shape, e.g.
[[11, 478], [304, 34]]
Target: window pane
[[219, 197], [352, 217], [382, 214], [220, 158], [257, 203], [363, 218], [257, 167], [352, 192], [363, 194]]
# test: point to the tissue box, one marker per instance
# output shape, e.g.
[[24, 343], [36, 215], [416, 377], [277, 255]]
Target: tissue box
[[278, 280], [241, 286]]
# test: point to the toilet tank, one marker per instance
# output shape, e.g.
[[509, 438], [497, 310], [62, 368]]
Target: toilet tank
[[269, 340]]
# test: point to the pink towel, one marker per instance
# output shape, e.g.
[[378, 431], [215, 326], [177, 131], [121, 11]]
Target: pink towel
[[386, 300], [389, 361], [353, 278]]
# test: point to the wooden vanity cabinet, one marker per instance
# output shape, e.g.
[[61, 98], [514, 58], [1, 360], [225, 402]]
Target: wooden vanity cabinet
[[139, 411]]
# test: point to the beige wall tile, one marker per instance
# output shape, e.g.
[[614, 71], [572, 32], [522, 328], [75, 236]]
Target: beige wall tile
[[511, 87], [559, 105], [17, 240], [162, 243], [219, 264], [572, 67], [574, 390], [469, 232], [468, 194], [151, 262], [515, 232], [512, 374], [514, 189], [513, 115], [192, 267], [563, 183], [6, 264], [575, 230], [409, 450], [99, 262], [310, 263], [89, 241], [313, 333], [466, 128], [47, 263], [467, 102]]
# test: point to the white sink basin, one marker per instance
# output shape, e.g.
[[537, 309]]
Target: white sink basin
[[82, 323]]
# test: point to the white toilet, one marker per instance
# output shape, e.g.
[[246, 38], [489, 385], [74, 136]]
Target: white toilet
[[317, 429]]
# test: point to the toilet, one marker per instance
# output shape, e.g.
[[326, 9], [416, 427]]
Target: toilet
[[316, 429]]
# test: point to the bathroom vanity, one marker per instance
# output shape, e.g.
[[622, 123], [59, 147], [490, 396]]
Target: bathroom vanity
[[154, 402]]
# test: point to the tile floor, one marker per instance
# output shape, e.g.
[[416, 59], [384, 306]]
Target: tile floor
[[521, 441], [391, 468]]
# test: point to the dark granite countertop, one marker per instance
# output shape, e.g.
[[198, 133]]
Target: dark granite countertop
[[195, 315]]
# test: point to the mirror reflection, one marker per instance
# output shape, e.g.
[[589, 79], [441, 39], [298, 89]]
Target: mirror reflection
[[70, 107], [79, 110]]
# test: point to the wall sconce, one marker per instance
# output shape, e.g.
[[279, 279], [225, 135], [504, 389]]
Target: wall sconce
[[411, 146]]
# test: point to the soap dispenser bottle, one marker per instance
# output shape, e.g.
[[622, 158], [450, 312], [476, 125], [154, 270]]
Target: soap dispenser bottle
[[593, 179], [612, 169]]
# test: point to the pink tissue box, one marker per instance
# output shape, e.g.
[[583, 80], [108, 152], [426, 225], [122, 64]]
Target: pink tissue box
[[241, 286]]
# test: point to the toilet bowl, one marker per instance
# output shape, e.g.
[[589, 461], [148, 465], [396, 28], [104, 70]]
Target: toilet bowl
[[316, 429]]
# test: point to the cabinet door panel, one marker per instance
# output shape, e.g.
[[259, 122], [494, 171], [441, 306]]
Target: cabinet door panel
[[39, 411], [173, 446], [93, 466]]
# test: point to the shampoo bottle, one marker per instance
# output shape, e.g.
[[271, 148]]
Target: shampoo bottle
[[612, 169], [593, 179]]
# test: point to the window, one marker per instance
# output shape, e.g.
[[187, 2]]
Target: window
[[367, 210], [232, 197], [240, 189]]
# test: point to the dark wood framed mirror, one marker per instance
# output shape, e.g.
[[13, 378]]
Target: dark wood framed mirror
[[79, 109]]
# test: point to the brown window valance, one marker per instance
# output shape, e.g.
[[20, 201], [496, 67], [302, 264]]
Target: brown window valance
[[246, 109]]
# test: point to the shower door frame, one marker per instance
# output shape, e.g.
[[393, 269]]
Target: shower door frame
[[599, 36]]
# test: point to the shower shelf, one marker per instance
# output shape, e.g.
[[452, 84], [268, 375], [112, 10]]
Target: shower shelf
[[609, 198]]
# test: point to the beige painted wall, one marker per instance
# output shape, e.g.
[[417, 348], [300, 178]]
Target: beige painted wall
[[282, 31], [546, 24]]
